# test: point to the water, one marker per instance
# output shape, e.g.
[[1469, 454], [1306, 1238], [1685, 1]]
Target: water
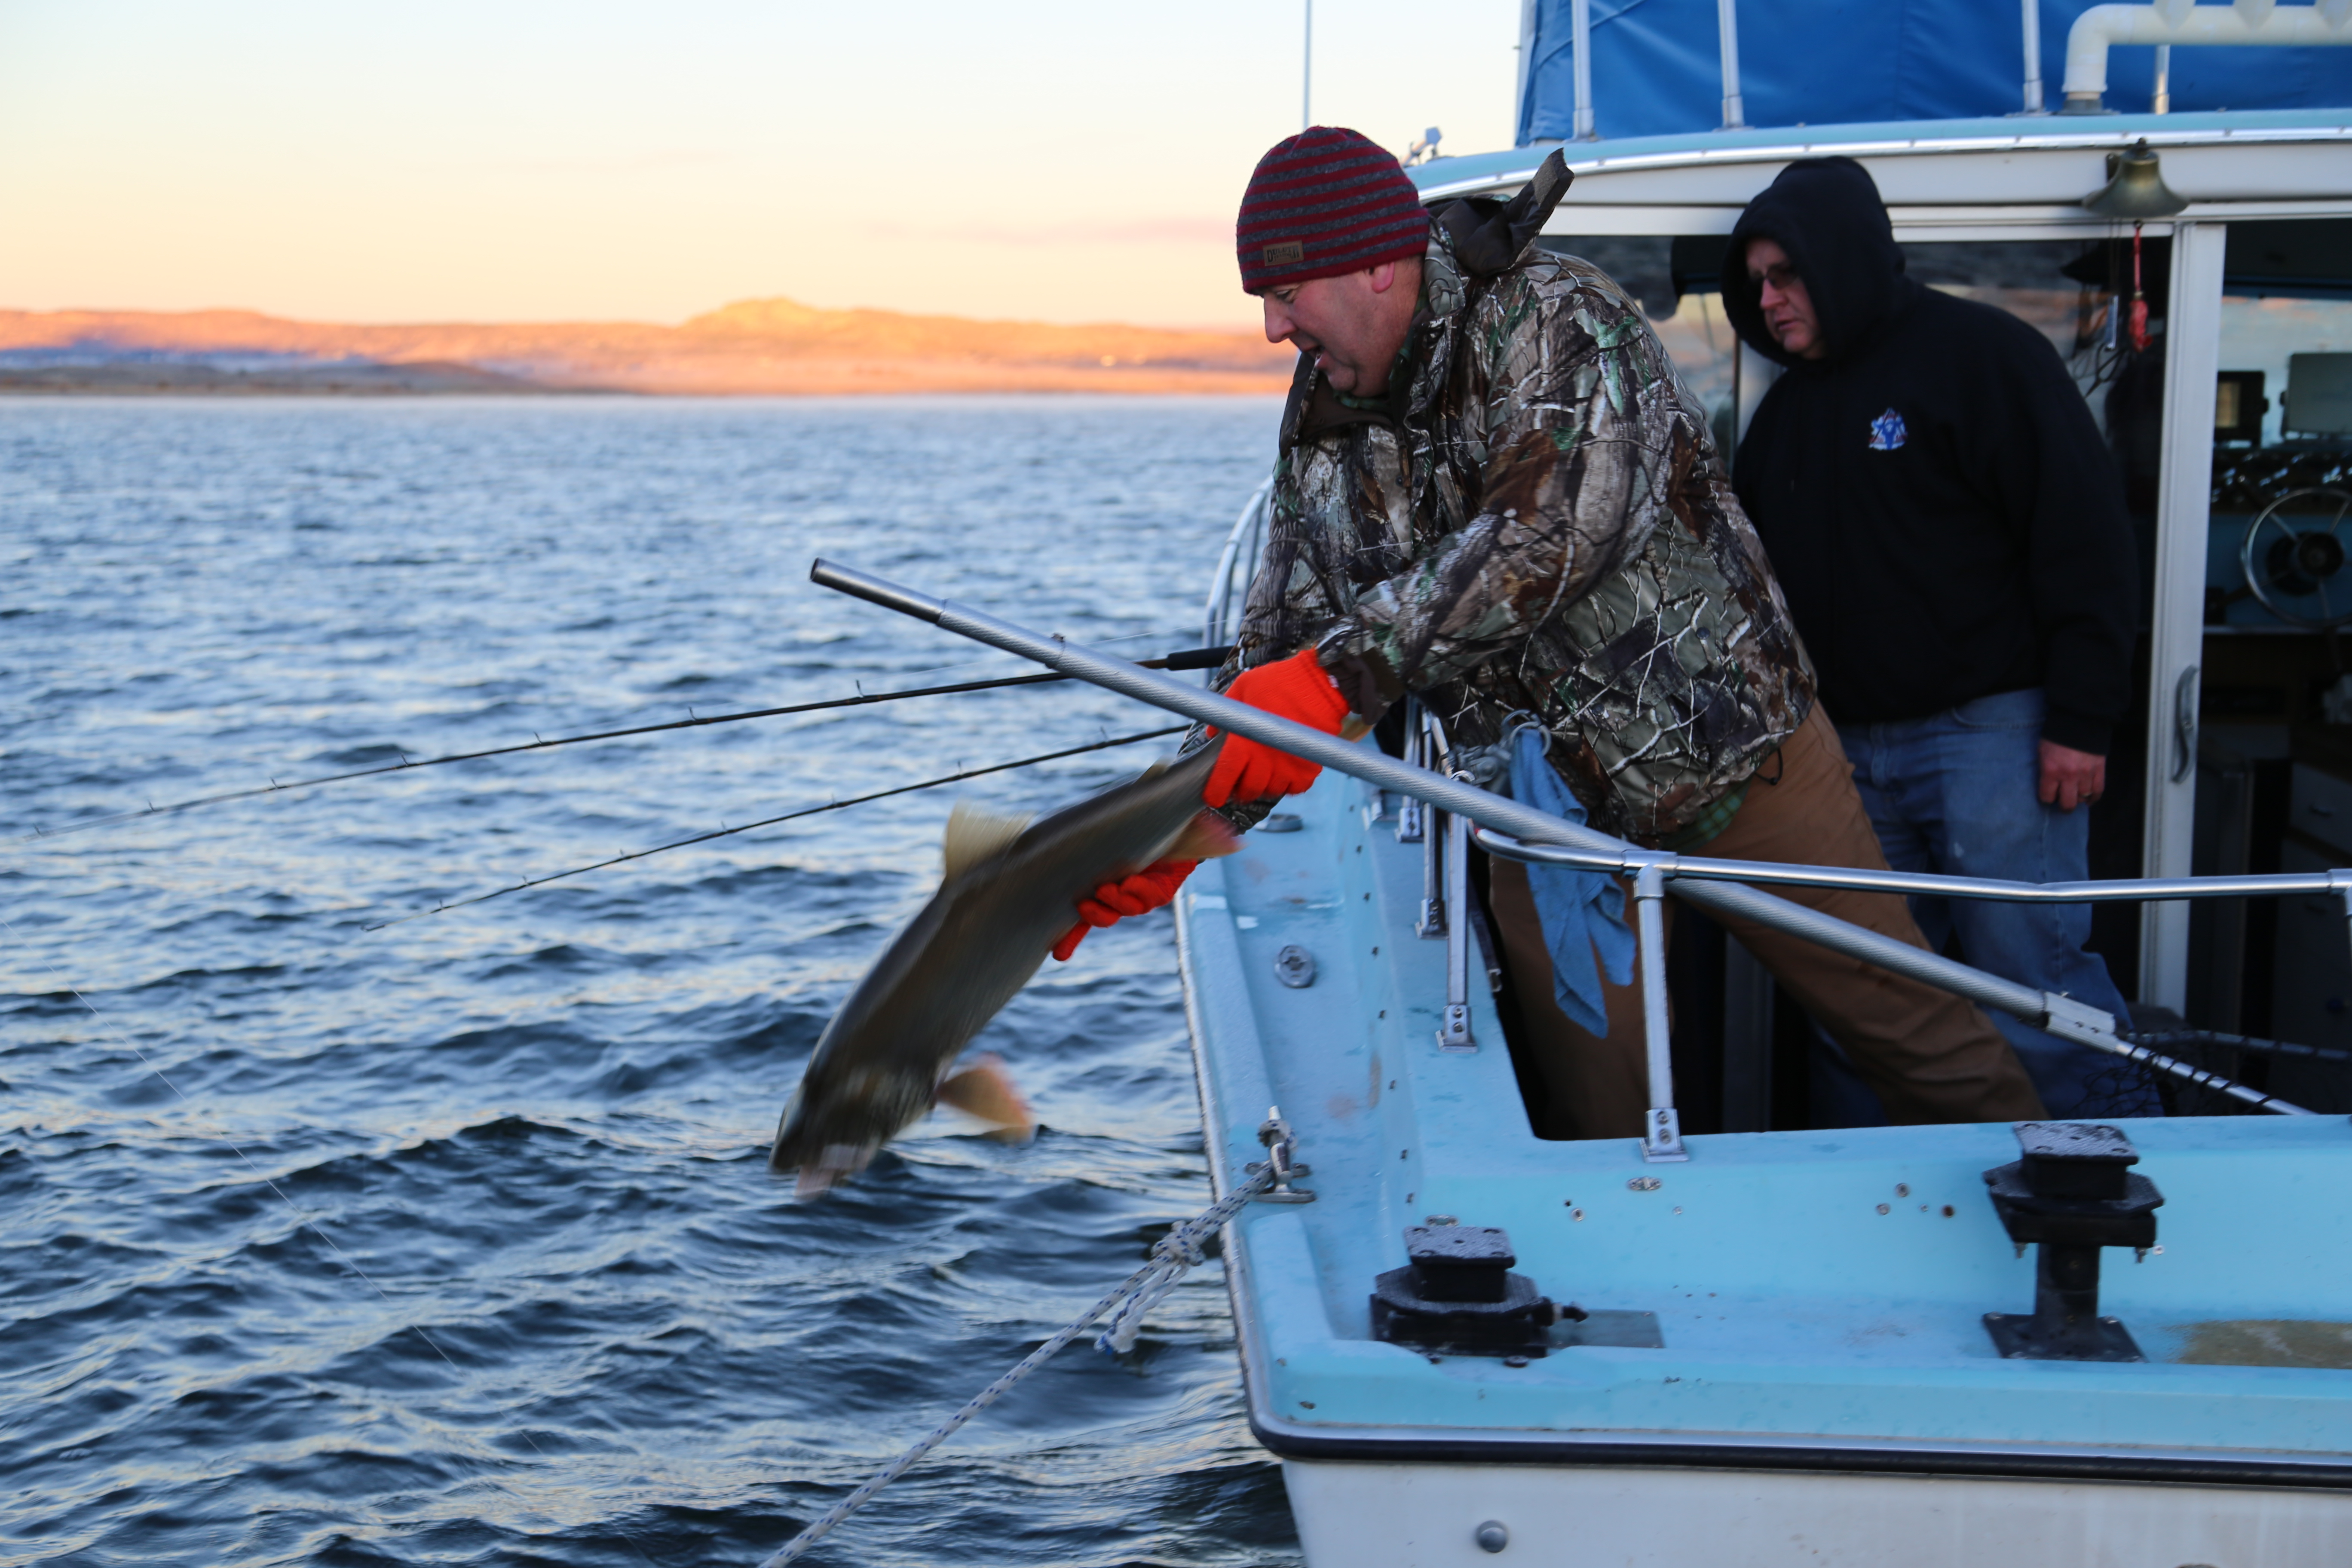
[[454, 1242]]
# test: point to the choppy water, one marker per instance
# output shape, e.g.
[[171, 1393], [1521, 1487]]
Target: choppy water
[[454, 1242]]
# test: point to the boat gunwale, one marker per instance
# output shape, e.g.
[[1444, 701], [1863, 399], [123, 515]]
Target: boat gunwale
[[1440, 1445]]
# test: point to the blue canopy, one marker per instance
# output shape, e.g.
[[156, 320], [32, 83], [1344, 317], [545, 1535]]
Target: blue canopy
[[1656, 69]]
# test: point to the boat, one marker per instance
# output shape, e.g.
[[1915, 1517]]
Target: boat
[[1758, 1335]]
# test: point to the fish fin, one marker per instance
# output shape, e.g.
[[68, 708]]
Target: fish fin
[[1208, 837], [833, 1164], [986, 1090], [975, 834]]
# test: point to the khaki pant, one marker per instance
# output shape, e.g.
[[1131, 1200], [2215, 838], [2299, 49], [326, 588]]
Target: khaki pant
[[1931, 1055]]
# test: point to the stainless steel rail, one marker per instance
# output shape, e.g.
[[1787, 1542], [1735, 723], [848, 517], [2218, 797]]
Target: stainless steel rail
[[1242, 545], [2056, 1015], [2336, 884]]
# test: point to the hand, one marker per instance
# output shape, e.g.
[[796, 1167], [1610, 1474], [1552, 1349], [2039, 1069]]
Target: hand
[[1296, 688], [1115, 902], [2070, 777]]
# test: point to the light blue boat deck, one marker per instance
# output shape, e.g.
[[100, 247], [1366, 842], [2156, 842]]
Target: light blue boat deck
[[1819, 1294]]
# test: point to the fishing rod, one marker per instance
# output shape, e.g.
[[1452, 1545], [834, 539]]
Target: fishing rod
[[1184, 658], [725, 832]]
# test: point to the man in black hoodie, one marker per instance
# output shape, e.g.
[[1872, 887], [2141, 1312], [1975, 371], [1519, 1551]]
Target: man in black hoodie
[[1953, 544]]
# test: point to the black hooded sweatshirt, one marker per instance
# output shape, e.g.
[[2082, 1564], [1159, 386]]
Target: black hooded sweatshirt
[[1934, 494]]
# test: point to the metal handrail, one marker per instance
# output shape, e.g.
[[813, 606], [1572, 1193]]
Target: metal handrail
[[1243, 542], [2048, 1011], [2152, 890]]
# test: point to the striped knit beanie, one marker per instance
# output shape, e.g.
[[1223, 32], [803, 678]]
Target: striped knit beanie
[[1326, 201]]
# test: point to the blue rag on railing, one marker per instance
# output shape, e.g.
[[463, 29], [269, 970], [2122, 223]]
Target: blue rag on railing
[[1583, 912]]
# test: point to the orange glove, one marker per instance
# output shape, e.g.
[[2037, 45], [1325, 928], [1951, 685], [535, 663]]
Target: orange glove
[[1295, 687], [1114, 901]]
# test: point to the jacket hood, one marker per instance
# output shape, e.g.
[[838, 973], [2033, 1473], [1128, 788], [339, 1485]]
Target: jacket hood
[[1827, 215], [1490, 236]]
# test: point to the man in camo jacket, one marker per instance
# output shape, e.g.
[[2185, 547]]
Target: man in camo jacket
[[1496, 493]]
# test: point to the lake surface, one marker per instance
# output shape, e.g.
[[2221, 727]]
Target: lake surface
[[454, 1241]]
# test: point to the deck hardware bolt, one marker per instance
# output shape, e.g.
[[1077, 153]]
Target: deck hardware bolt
[[1902, 1189], [1515, 1361], [1883, 1208], [1492, 1536], [1643, 1184], [1295, 967], [1577, 1215], [1443, 1219], [1949, 1211], [1678, 1208]]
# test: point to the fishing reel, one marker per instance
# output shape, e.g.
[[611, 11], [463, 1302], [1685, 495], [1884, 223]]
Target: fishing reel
[[2294, 557]]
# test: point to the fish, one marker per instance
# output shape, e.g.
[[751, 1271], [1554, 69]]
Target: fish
[[1009, 889]]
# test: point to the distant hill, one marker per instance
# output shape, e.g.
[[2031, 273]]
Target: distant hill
[[753, 346]]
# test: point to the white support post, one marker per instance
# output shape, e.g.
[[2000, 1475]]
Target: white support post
[[1526, 70], [1579, 14], [1727, 24], [2033, 57], [1456, 1036], [1752, 377], [2192, 331], [1662, 1128]]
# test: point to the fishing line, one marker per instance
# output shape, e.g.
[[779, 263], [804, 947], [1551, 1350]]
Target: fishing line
[[1187, 658], [301, 1215], [788, 817]]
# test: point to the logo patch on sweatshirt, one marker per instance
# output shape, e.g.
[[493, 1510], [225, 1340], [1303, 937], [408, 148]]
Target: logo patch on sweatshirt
[[1886, 432]]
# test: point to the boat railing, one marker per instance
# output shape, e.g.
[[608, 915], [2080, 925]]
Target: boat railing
[[1651, 871], [1731, 888], [1236, 565]]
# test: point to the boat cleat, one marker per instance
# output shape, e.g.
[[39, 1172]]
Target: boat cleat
[[2072, 1194], [1459, 1295]]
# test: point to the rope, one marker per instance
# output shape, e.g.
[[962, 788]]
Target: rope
[[2237, 1043], [1174, 1254]]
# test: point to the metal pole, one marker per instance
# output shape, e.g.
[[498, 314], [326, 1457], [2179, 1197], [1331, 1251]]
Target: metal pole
[[1579, 26], [1307, 73], [2033, 57], [1509, 816], [1726, 23], [1662, 1130], [1455, 1035], [2162, 101]]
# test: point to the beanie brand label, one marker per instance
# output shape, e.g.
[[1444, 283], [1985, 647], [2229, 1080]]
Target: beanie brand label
[[1292, 250]]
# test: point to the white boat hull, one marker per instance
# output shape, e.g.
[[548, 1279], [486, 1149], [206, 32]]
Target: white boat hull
[[1365, 1514]]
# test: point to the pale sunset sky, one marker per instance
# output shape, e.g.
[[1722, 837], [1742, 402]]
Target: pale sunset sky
[[513, 160]]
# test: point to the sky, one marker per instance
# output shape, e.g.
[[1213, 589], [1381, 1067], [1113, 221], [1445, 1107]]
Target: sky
[[513, 160]]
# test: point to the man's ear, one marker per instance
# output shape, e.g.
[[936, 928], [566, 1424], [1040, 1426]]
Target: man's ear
[[1383, 276]]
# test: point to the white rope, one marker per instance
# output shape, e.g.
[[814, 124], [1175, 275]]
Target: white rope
[[1176, 1253]]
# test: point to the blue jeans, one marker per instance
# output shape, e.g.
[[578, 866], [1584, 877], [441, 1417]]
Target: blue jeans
[[1957, 792]]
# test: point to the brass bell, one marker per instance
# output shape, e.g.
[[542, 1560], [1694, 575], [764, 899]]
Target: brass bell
[[2134, 191]]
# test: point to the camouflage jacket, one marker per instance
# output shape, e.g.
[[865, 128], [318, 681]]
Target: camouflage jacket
[[1535, 521]]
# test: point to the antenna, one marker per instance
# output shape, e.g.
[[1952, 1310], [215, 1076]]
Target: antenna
[[1307, 73]]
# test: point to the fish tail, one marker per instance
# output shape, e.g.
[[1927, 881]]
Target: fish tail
[[984, 1090]]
